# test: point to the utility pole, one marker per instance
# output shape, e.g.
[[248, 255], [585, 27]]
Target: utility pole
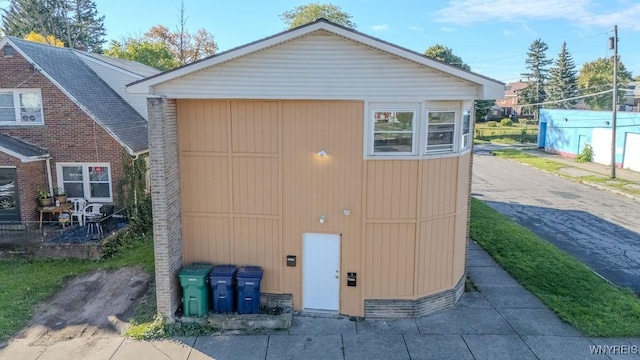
[[613, 45]]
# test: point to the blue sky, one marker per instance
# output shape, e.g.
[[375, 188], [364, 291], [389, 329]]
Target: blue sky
[[492, 36]]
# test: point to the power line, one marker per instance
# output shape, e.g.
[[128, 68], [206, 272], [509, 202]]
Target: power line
[[567, 99]]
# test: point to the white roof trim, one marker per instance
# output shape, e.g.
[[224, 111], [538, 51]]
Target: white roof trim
[[84, 57], [22, 158], [75, 101], [488, 86]]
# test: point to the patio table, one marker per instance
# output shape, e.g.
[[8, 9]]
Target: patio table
[[51, 210]]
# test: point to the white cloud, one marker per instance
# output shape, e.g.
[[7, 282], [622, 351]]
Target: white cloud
[[447, 29], [467, 12], [627, 18], [383, 27]]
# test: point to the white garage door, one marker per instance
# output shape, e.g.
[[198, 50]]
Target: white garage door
[[632, 152], [601, 144]]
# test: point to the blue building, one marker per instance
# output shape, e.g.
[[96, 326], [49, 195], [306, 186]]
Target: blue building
[[566, 132]]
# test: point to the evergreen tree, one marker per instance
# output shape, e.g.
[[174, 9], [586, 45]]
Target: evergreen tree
[[75, 22], [537, 63], [563, 82]]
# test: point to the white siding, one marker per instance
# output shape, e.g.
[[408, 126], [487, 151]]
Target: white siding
[[320, 66], [118, 80]]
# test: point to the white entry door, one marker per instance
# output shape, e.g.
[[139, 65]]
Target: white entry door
[[321, 272]]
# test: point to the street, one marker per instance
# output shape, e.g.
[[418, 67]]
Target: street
[[597, 227]]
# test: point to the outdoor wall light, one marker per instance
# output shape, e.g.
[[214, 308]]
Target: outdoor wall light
[[322, 219], [322, 153], [607, 123]]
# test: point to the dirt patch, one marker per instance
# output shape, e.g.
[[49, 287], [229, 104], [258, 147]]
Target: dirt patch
[[99, 303]]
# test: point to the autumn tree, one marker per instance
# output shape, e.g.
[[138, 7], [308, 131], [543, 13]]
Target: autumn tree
[[153, 54], [597, 76], [75, 22], [50, 39], [562, 82], [305, 14]]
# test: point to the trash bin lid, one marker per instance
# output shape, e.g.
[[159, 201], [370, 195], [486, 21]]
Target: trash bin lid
[[250, 272], [196, 269], [223, 270]]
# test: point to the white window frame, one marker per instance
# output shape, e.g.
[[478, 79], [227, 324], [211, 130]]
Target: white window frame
[[18, 109], [468, 135], [393, 107], [457, 123], [85, 179]]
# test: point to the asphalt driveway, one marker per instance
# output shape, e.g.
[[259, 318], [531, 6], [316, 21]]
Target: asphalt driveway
[[599, 228]]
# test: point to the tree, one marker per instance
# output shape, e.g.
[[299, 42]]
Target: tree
[[184, 46], [562, 82], [537, 63], [50, 40], [75, 22], [445, 54], [305, 14], [154, 54], [597, 76]]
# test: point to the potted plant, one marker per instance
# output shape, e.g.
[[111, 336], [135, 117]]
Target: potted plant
[[44, 197], [60, 195]]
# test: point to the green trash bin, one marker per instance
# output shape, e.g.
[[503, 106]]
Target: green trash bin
[[196, 297]]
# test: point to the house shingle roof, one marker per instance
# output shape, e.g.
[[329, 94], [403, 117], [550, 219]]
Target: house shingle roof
[[21, 148], [90, 92]]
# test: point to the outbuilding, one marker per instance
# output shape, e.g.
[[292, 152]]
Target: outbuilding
[[337, 162]]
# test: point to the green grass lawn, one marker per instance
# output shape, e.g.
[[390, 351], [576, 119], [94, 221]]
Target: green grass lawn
[[535, 161], [25, 283], [575, 293], [518, 133]]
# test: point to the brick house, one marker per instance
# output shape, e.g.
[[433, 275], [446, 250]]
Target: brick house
[[66, 121]]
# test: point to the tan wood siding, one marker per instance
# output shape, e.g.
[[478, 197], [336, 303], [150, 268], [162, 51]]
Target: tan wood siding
[[392, 186], [439, 187], [320, 66], [389, 260], [248, 199], [314, 186], [256, 187], [434, 255], [255, 127]]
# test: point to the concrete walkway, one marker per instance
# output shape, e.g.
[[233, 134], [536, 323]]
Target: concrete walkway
[[502, 321]]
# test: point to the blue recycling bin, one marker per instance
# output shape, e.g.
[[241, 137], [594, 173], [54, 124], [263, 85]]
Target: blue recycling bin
[[248, 281], [222, 280]]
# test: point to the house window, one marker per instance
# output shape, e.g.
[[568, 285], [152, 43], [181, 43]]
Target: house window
[[440, 131], [20, 107], [393, 131], [87, 181], [466, 129]]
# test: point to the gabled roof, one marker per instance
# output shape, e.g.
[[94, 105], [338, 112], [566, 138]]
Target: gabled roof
[[490, 88], [21, 150], [90, 92]]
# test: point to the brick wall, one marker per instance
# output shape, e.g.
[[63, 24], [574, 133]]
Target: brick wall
[[165, 193], [68, 133]]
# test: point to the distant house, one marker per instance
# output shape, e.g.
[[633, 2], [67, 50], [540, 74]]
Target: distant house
[[508, 106], [66, 121], [337, 162], [567, 132]]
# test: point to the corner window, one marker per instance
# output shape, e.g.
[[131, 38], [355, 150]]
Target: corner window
[[21, 107], [440, 131], [87, 181], [393, 131], [466, 128]]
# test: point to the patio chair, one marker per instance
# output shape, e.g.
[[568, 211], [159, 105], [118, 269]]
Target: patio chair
[[93, 211], [78, 211]]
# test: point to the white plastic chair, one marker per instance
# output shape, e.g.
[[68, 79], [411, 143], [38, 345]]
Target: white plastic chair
[[93, 211], [78, 210]]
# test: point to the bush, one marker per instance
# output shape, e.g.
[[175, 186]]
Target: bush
[[506, 122], [586, 155], [492, 124]]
